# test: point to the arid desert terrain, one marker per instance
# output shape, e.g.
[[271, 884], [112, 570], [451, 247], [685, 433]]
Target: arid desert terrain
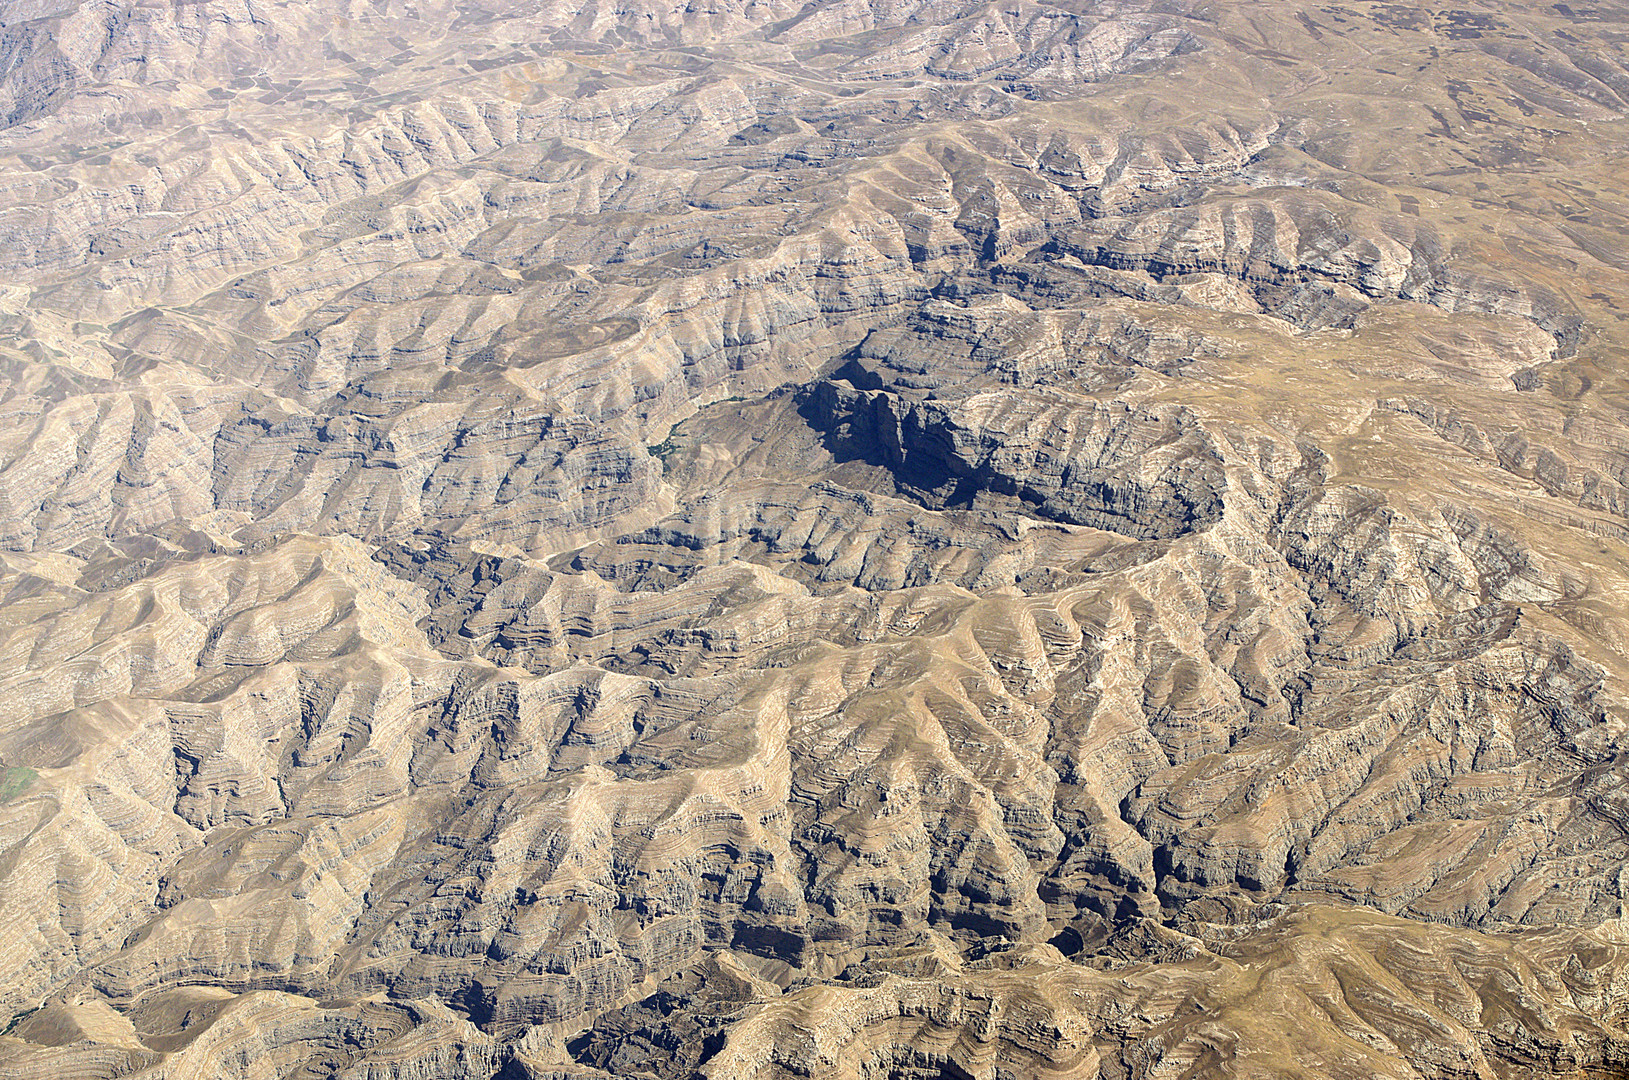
[[835, 539]]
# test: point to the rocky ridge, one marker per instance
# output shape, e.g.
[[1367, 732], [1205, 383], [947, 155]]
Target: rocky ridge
[[863, 539]]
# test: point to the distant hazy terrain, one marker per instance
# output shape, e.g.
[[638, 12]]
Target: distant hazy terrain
[[853, 539]]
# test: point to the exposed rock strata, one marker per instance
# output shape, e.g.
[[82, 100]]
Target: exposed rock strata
[[858, 539]]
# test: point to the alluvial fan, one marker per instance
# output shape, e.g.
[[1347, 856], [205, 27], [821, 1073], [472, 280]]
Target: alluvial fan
[[854, 539]]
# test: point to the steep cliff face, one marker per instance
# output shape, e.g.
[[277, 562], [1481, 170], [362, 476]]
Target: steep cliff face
[[854, 539]]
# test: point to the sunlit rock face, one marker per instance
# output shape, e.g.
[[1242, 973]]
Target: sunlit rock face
[[857, 539]]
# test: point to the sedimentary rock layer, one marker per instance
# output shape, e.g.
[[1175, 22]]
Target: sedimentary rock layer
[[855, 539]]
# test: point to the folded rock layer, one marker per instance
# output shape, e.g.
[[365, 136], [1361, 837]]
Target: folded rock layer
[[855, 539]]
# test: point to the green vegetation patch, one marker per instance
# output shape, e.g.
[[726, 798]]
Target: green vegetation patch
[[15, 781], [26, 1013], [665, 449]]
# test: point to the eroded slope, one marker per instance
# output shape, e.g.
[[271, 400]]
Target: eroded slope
[[856, 539]]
